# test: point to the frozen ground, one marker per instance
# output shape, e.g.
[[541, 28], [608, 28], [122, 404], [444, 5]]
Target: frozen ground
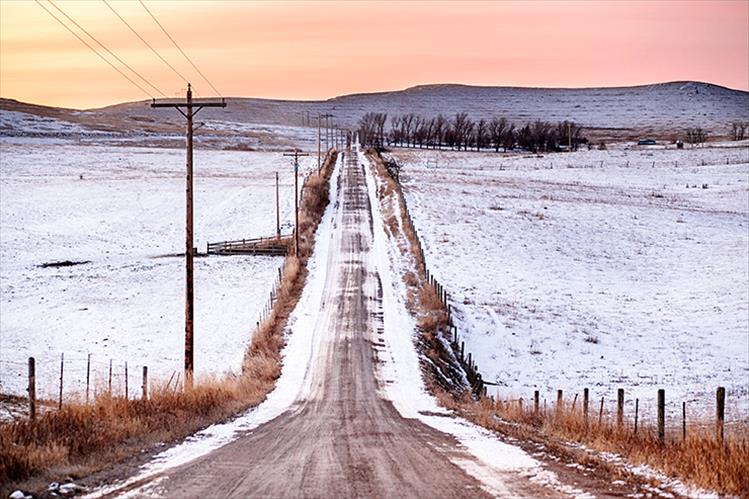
[[123, 216], [600, 269]]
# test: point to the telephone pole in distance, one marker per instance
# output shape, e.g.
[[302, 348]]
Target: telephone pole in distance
[[296, 154]]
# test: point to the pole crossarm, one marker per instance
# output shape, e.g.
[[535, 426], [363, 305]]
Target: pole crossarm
[[197, 104]]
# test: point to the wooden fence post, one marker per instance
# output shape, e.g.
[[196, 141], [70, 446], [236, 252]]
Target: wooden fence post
[[720, 412], [586, 394], [662, 416], [126, 393], [560, 400], [637, 410], [620, 408], [88, 375], [684, 421], [600, 412], [110, 377], [62, 370], [32, 388], [145, 383], [535, 403]]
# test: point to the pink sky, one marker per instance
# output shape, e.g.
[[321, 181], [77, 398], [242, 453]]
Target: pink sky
[[313, 50]]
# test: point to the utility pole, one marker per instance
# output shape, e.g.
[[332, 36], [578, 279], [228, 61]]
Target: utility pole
[[296, 198], [327, 117], [189, 114], [278, 212], [318, 143]]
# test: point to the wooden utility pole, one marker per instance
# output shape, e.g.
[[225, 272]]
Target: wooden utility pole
[[191, 109], [296, 155], [327, 117], [318, 143], [278, 212]]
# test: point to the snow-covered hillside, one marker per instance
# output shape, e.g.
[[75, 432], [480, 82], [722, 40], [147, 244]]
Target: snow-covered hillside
[[626, 268], [25, 123], [663, 108], [121, 209]]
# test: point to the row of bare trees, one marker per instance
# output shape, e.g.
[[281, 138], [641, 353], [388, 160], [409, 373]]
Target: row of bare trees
[[738, 129], [463, 133]]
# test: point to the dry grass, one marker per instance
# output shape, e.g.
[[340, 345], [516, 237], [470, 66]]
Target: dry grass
[[700, 459], [422, 299], [82, 438]]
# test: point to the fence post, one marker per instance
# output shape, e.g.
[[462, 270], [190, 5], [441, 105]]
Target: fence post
[[110, 377], [32, 388], [661, 416], [600, 412], [684, 421], [585, 403], [637, 410], [535, 403], [620, 408], [88, 374], [62, 369], [560, 400], [145, 383], [720, 412], [574, 402], [126, 393]]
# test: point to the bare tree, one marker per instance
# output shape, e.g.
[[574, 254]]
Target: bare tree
[[395, 130], [497, 128], [695, 136], [738, 129], [482, 130], [440, 126]]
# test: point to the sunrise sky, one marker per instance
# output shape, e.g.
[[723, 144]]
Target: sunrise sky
[[313, 50]]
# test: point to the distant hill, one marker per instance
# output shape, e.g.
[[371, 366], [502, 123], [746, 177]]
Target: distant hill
[[660, 109]]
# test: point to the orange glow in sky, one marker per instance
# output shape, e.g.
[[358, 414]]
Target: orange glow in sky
[[314, 50]]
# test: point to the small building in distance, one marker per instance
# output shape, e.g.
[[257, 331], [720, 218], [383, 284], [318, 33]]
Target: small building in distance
[[646, 142]]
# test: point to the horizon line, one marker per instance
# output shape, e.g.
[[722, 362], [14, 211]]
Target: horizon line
[[403, 89]]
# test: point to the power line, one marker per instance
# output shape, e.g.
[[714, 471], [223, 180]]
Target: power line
[[93, 49], [144, 41], [180, 49], [105, 48]]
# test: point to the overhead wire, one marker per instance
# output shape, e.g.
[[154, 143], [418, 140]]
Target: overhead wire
[[180, 49], [94, 50], [105, 48], [144, 41]]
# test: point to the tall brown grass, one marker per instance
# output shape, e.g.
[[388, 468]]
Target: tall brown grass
[[81, 438], [700, 459]]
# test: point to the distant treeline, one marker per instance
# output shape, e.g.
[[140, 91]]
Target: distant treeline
[[463, 133]]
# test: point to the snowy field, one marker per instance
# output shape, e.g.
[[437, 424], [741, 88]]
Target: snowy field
[[600, 269], [20, 127], [125, 216]]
